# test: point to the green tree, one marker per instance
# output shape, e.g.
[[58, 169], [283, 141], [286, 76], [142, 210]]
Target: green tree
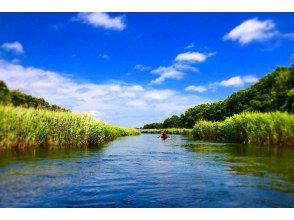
[[172, 122], [4, 93], [18, 98], [273, 92]]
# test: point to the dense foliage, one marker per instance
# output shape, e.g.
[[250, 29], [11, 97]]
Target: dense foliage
[[29, 127], [153, 126], [18, 98], [274, 92], [260, 128]]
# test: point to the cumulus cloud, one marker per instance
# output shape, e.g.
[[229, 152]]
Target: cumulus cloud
[[193, 57], [118, 103], [182, 64], [164, 73], [255, 30], [196, 88], [14, 47], [100, 19], [233, 81], [237, 81]]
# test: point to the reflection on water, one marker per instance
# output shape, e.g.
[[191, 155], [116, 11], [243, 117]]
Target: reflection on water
[[273, 162], [145, 171], [32, 155]]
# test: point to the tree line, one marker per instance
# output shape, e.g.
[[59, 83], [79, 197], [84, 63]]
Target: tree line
[[18, 98], [273, 92]]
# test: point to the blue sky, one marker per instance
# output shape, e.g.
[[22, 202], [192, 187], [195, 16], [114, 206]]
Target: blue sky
[[135, 68]]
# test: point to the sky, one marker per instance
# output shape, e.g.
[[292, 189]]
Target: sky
[[130, 69]]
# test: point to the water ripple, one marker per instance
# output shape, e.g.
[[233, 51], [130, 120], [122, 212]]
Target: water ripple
[[144, 171]]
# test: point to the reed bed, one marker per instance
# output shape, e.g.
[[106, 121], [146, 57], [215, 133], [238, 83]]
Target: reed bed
[[257, 128], [184, 131], [28, 127]]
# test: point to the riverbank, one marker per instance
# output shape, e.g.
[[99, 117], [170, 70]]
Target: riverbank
[[28, 127], [249, 128], [183, 131]]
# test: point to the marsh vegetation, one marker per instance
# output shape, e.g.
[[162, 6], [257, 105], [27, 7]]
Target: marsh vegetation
[[258, 128], [29, 127]]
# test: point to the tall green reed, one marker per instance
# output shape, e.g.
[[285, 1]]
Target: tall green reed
[[28, 127], [260, 128]]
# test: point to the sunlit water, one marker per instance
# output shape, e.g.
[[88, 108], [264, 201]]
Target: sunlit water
[[144, 171]]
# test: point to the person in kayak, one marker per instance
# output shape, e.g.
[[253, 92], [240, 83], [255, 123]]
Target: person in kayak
[[164, 135]]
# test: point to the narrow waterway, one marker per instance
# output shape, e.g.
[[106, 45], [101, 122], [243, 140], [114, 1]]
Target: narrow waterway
[[145, 171]]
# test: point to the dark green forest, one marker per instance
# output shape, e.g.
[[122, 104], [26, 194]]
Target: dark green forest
[[273, 92], [18, 98]]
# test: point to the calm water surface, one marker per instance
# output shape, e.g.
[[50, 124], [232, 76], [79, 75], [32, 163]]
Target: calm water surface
[[144, 171]]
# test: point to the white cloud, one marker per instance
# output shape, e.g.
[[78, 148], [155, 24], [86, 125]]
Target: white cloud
[[193, 57], [164, 73], [117, 103], [185, 67], [169, 72], [237, 81], [137, 88], [14, 47], [137, 103], [249, 79], [159, 94], [233, 81], [100, 19], [115, 88], [253, 30], [181, 65], [196, 88]]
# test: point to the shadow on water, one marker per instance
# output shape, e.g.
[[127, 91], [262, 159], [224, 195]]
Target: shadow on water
[[259, 161], [10, 156]]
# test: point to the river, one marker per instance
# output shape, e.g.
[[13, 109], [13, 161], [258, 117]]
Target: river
[[145, 171]]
